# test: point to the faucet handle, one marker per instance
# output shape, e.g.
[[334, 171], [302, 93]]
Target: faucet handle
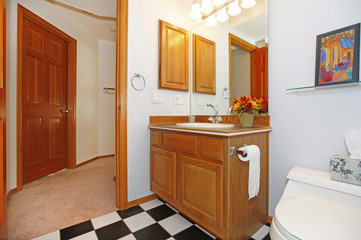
[[211, 119], [218, 119]]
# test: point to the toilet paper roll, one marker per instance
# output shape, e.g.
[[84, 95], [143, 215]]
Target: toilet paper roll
[[252, 154]]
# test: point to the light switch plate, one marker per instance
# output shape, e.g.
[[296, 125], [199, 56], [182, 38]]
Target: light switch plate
[[226, 93], [178, 99], [201, 101]]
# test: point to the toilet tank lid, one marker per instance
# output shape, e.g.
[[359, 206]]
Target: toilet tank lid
[[322, 179]]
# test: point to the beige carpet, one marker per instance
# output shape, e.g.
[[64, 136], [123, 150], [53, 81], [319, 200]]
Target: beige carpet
[[62, 200]]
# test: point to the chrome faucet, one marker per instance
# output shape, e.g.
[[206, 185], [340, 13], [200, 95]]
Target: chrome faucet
[[216, 118], [229, 110]]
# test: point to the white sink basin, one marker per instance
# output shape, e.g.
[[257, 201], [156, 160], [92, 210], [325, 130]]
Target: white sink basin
[[206, 125]]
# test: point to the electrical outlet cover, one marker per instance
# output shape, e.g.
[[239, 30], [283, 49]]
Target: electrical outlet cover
[[157, 97], [201, 101], [178, 99]]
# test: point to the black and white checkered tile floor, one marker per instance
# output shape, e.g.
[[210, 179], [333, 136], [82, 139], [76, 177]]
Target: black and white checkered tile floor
[[154, 220]]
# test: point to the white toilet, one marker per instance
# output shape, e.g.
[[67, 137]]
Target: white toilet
[[315, 207]]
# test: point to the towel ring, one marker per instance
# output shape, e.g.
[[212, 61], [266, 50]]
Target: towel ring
[[137, 75]]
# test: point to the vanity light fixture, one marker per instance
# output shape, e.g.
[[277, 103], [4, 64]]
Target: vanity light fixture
[[221, 8], [218, 3], [248, 3], [196, 11], [222, 15], [234, 9], [211, 21], [206, 7]]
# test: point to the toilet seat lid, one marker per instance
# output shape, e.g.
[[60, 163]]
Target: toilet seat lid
[[308, 216]]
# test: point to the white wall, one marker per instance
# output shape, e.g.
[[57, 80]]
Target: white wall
[[87, 67], [143, 59], [307, 128], [106, 102], [241, 73], [87, 103]]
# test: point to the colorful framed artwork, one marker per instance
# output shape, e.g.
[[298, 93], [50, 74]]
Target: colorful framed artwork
[[337, 56]]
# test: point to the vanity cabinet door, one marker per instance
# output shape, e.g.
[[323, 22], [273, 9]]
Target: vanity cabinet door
[[201, 189], [163, 172]]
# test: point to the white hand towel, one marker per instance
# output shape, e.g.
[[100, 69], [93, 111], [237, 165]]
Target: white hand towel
[[252, 154]]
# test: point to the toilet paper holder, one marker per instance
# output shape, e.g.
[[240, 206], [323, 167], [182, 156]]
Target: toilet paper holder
[[234, 151]]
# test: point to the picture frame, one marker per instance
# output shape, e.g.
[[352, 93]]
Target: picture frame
[[337, 56]]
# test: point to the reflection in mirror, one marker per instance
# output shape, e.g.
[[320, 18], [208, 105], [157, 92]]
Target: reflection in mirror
[[251, 28], [240, 80], [241, 71], [204, 65]]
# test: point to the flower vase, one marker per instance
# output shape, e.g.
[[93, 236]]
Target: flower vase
[[246, 119]]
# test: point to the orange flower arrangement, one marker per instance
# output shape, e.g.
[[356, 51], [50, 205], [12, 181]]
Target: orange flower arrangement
[[250, 105]]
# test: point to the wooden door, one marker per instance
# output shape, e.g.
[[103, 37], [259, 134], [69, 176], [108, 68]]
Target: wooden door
[[163, 165], [259, 78], [44, 101], [204, 65], [2, 122], [201, 189]]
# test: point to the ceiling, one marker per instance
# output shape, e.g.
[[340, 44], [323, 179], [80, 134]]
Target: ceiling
[[252, 22], [98, 16], [98, 7]]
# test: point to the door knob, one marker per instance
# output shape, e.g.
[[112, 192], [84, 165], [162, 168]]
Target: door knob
[[65, 111]]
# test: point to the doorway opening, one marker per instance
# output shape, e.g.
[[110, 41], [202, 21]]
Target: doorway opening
[[120, 111], [46, 110], [247, 69]]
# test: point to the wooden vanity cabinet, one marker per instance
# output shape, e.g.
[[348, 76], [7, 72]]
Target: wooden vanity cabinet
[[196, 175]]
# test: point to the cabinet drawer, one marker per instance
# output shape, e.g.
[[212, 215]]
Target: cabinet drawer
[[210, 147], [155, 138], [181, 142]]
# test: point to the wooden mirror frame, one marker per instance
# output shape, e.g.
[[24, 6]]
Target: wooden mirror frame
[[244, 45]]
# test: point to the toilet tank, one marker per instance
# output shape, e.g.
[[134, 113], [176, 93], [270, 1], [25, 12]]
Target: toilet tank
[[303, 180]]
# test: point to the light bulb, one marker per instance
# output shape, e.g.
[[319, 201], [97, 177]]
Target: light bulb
[[211, 21], [248, 3], [222, 15], [218, 3], [234, 9], [196, 12], [206, 7]]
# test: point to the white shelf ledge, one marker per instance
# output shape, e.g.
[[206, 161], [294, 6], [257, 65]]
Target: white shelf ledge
[[331, 87]]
